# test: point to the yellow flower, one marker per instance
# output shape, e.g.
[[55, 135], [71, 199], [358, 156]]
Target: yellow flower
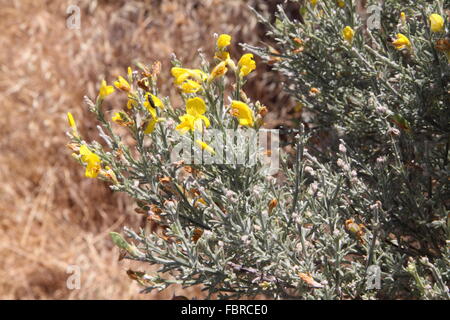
[[218, 71], [205, 146], [222, 55], [182, 74], [243, 112], [117, 117], [437, 23], [313, 2], [71, 121], [87, 155], [151, 125], [132, 102], [188, 122], [190, 76], [403, 17], [105, 90], [156, 102], [72, 124], [348, 34], [192, 120], [401, 42], [340, 3], [130, 74], [155, 119], [190, 86], [223, 41], [92, 160], [120, 120], [246, 64], [122, 84], [195, 106]]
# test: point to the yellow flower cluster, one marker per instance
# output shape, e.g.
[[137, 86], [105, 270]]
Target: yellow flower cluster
[[191, 80], [188, 80], [246, 64], [437, 24], [194, 119], [151, 103], [91, 160], [195, 83]]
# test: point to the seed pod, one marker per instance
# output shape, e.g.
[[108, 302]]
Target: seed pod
[[272, 204], [197, 233], [309, 280]]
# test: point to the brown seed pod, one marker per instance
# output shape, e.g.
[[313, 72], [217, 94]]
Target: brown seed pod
[[272, 204], [306, 278], [198, 232], [443, 44]]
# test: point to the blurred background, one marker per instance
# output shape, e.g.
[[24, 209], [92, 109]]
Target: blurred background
[[51, 217]]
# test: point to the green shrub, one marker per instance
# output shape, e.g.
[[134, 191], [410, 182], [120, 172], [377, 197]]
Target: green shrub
[[380, 85], [364, 195]]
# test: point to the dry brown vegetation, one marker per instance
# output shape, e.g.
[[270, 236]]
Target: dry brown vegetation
[[50, 215]]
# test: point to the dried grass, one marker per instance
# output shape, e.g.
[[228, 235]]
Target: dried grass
[[50, 215]]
